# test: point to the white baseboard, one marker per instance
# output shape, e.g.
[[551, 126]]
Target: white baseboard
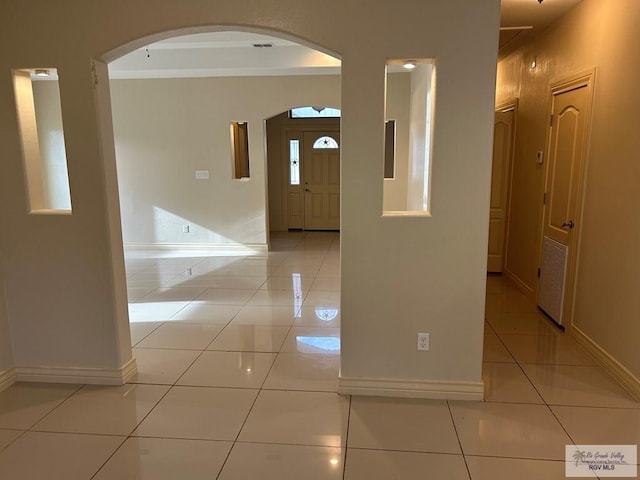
[[204, 247], [7, 378], [433, 389], [619, 372], [92, 376]]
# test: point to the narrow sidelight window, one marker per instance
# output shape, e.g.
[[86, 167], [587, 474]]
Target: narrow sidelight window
[[294, 162]]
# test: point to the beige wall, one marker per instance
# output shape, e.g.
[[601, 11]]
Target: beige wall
[[165, 129], [429, 273], [6, 353], [603, 35]]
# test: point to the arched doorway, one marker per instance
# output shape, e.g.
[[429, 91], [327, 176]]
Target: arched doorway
[[175, 159]]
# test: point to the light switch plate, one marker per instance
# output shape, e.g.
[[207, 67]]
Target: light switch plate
[[202, 174]]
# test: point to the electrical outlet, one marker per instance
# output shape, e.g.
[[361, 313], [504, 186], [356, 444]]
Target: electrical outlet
[[185, 229], [423, 341]]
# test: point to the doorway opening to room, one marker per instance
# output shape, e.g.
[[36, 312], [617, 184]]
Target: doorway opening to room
[[189, 125], [303, 146]]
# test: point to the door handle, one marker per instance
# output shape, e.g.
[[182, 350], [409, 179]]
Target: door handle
[[568, 224], [307, 190]]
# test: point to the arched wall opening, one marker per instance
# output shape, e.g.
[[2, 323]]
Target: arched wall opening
[[169, 140]]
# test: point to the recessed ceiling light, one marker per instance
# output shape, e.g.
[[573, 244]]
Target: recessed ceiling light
[[409, 64], [42, 72]]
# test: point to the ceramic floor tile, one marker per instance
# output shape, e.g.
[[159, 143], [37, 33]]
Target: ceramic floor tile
[[600, 426], [522, 324], [277, 462], [578, 385], [159, 366], [372, 464], [283, 270], [153, 311], [8, 436], [250, 338], [226, 296], [166, 270], [329, 271], [547, 349], [495, 351], [318, 317], [492, 468], [509, 300], [103, 410], [56, 456], [322, 341], [322, 298], [23, 404], [278, 316], [134, 294], [148, 280], [181, 336], [292, 371], [141, 330], [488, 330], [174, 294], [509, 430], [402, 424], [197, 312], [291, 283], [219, 281], [242, 269], [229, 369], [300, 418], [505, 382], [165, 459], [199, 413], [495, 283], [277, 298], [326, 284]]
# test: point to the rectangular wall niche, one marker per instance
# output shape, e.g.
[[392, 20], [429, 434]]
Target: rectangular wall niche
[[409, 98], [42, 137], [240, 149]]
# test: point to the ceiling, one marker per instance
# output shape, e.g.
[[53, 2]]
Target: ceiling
[[218, 54], [520, 19]]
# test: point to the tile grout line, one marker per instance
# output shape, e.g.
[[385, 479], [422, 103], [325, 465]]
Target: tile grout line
[[455, 429], [235, 441], [80, 387], [346, 439], [544, 400]]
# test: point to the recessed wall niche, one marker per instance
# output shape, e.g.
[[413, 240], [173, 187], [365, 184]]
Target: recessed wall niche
[[44, 155], [409, 99], [240, 150]]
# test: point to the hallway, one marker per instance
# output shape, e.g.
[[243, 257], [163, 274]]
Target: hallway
[[238, 358]]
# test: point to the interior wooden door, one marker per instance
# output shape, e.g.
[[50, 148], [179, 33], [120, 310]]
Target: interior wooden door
[[500, 182], [568, 139], [321, 172]]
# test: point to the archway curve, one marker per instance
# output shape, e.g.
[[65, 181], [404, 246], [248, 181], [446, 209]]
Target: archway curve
[[121, 50]]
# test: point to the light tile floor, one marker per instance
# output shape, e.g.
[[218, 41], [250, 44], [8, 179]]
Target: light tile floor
[[238, 359]]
